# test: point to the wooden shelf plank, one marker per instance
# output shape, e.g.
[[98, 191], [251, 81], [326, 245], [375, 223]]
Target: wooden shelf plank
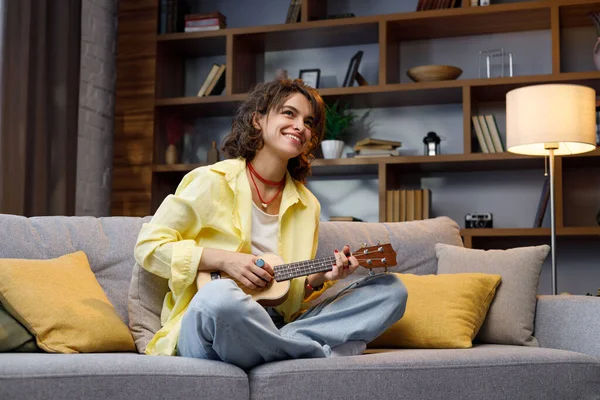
[[411, 94], [523, 232], [579, 231], [176, 167], [501, 18], [505, 232]]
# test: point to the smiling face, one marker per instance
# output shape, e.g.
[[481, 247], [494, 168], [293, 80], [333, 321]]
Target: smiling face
[[286, 130]]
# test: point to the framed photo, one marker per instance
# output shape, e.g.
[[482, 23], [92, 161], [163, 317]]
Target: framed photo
[[353, 69], [311, 77]]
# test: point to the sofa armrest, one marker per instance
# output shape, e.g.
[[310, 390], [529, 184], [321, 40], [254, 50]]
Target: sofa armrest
[[568, 323]]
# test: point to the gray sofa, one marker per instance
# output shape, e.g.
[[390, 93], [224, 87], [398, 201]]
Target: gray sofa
[[566, 365]]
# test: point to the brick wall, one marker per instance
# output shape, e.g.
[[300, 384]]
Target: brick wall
[[96, 107]]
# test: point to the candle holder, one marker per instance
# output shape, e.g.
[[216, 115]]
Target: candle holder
[[431, 144]]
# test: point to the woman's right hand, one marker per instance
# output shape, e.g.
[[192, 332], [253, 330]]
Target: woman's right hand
[[240, 266]]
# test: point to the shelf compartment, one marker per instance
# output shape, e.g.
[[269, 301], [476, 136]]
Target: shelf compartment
[[343, 32], [576, 15], [435, 24]]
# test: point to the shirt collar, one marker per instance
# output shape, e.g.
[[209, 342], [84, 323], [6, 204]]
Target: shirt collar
[[232, 168]]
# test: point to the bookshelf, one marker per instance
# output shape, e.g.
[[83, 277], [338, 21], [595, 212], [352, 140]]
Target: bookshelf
[[150, 85]]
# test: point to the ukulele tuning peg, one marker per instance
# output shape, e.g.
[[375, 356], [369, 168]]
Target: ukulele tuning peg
[[364, 244], [370, 262], [380, 249], [384, 261], [378, 242]]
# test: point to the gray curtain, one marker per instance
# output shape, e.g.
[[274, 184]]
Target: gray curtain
[[39, 106]]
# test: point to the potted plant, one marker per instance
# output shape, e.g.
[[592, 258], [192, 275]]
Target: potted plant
[[338, 120]]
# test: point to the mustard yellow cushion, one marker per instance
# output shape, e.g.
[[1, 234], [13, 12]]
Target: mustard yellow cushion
[[62, 304], [442, 311]]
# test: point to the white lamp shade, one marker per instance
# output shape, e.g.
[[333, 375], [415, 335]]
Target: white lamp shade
[[555, 113]]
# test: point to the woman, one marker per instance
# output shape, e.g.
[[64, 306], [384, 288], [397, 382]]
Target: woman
[[223, 216]]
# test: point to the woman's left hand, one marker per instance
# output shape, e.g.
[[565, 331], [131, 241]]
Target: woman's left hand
[[344, 265]]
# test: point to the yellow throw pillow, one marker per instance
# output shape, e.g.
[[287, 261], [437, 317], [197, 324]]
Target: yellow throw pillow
[[62, 304], [442, 311]]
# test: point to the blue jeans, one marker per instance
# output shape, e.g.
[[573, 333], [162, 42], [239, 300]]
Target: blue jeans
[[224, 323]]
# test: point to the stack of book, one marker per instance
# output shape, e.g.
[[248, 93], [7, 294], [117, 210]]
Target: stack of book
[[214, 83], [488, 136], [371, 147], [205, 22], [345, 218], [407, 205]]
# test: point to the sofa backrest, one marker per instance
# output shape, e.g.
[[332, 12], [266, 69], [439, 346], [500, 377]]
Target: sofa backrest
[[107, 242], [414, 243], [138, 295]]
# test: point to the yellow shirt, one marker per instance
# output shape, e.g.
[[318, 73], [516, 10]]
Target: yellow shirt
[[212, 208]]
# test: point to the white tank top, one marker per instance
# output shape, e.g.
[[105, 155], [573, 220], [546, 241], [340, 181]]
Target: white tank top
[[265, 228]]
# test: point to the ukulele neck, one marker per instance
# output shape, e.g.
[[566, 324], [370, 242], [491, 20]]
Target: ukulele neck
[[293, 270]]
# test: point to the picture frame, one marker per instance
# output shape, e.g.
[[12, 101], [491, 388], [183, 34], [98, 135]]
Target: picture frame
[[352, 72], [311, 77]]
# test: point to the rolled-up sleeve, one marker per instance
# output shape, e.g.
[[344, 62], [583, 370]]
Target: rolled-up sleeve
[[166, 246]]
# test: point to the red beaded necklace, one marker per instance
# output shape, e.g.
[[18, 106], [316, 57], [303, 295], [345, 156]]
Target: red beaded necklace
[[281, 183]]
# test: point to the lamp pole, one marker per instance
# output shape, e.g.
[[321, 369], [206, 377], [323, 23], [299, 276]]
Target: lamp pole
[[551, 147]]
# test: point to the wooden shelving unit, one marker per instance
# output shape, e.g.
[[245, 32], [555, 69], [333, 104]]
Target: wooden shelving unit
[[150, 85]]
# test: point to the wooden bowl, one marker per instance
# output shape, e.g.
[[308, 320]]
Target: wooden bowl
[[429, 73]]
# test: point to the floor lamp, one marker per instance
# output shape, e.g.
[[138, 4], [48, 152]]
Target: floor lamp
[[551, 120]]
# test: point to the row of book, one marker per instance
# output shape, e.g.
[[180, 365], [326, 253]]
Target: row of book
[[407, 205], [488, 135], [170, 15], [214, 83], [293, 14], [372, 147], [437, 4]]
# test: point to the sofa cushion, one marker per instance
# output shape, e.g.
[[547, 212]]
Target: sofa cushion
[[13, 335], [126, 376], [442, 311], [61, 303], [413, 242], [491, 372], [511, 316], [107, 242]]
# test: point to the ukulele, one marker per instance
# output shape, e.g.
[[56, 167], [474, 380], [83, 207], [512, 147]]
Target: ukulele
[[275, 293]]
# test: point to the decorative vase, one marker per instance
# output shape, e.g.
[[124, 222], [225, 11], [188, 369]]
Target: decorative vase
[[171, 154], [332, 148], [597, 54], [213, 154]]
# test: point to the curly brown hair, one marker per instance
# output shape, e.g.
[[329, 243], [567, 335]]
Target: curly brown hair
[[245, 140]]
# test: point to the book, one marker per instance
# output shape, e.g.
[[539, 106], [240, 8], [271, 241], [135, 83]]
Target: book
[[494, 133], [486, 134], [374, 141], [345, 218], [218, 82], [479, 134], [207, 81]]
